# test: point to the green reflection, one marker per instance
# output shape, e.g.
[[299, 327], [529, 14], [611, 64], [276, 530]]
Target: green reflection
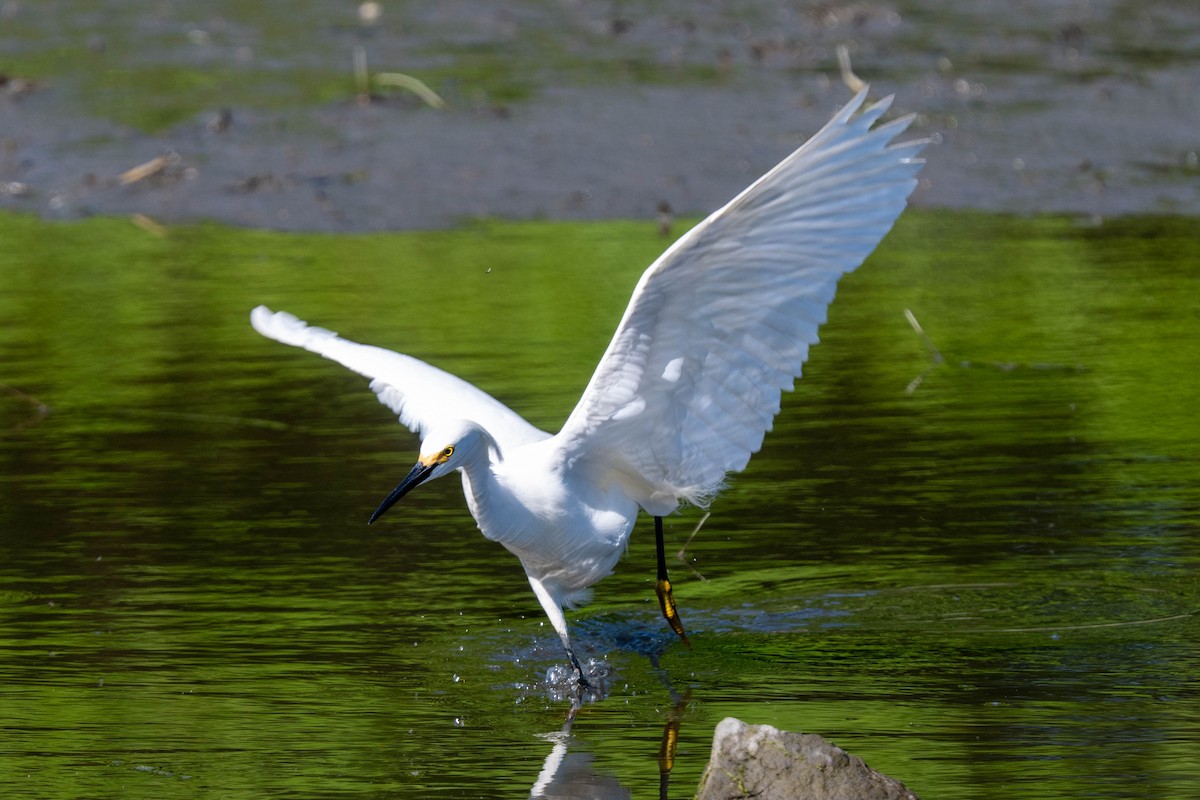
[[987, 580]]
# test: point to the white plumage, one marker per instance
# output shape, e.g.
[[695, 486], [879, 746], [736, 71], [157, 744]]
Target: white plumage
[[716, 329]]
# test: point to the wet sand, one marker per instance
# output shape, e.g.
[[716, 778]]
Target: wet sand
[[1087, 110]]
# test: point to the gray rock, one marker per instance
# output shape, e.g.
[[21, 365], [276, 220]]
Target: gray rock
[[769, 764]]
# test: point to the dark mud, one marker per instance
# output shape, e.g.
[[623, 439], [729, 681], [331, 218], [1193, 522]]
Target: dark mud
[[578, 110]]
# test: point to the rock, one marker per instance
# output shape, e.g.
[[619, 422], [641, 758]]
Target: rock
[[769, 764]]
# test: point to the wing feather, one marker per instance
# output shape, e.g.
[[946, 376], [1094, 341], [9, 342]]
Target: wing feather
[[721, 323], [420, 394]]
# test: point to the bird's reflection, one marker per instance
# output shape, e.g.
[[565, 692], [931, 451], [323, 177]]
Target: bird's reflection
[[670, 738], [570, 775]]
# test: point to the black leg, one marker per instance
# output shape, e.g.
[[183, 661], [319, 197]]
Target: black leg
[[580, 680], [666, 601]]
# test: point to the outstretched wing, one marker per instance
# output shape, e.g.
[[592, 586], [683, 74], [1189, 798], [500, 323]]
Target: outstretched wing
[[721, 323], [420, 394]]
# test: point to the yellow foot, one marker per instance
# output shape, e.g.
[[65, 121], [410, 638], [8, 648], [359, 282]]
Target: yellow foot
[[666, 601]]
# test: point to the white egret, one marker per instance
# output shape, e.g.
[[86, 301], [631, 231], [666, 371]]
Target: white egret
[[716, 329]]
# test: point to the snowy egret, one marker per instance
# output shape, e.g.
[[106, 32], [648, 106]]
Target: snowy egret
[[716, 329]]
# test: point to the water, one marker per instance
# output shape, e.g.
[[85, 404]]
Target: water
[[977, 573]]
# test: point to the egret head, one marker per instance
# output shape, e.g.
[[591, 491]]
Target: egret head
[[444, 449]]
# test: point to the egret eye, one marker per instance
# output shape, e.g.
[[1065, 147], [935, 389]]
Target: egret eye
[[449, 451]]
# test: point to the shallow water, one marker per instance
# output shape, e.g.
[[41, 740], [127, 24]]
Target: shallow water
[[970, 559]]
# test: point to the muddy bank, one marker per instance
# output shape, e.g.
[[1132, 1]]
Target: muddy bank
[[1090, 109]]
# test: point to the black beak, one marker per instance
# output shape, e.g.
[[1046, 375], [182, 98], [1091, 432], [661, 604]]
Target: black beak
[[418, 475]]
